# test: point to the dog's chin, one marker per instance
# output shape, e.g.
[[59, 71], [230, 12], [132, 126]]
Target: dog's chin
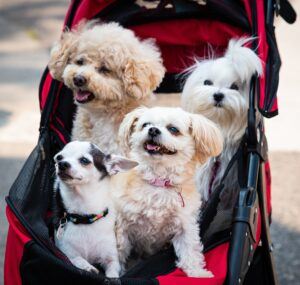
[[155, 148], [84, 96]]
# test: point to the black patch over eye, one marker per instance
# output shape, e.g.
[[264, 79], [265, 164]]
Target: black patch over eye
[[84, 161], [103, 69], [79, 61], [234, 86], [145, 125], [173, 130], [207, 82], [59, 157]]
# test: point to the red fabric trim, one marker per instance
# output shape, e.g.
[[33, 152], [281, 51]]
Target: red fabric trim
[[179, 46], [61, 136], [262, 47], [45, 91], [60, 121], [17, 237], [248, 10], [268, 186], [88, 9], [216, 261], [57, 99]]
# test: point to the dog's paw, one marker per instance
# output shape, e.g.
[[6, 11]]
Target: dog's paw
[[200, 273], [84, 265], [92, 269], [112, 274]]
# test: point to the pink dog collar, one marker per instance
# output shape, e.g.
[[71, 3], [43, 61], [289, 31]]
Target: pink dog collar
[[160, 182], [165, 183]]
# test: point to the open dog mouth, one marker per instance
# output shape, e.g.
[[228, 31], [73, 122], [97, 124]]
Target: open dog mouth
[[65, 176], [153, 147], [83, 97]]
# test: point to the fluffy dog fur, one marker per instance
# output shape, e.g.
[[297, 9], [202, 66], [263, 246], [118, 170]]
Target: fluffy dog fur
[[111, 73], [218, 88], [83, 180], [167, 143]]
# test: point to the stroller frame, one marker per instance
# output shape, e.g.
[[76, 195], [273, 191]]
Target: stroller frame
[[249, 200]]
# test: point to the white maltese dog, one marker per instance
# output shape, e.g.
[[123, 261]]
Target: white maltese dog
[[86, 232], [218, 88], [157, 201], [111, 72]]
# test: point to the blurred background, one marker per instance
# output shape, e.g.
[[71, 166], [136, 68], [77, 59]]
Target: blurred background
[[27, 30]]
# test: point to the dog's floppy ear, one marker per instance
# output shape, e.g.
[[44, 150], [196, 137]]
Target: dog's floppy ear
[[143, 71], [60, 54], [245, 61], [116, 163], [127, 127], [61, 50], [208, 138]]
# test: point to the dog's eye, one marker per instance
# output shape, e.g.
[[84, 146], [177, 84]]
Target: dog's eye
[[145, 125], [103, 69], [59, 157], [234, 86], [84, 161], [173, 130], [207, 82], [80, 61]]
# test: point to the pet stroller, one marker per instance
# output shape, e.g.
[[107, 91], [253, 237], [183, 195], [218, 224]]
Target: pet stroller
[[238, 249]]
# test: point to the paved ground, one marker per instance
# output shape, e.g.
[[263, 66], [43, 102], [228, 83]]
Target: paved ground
[[26, 30]]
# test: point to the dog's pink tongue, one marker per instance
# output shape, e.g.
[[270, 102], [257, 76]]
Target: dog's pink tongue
[[152, 147], [82, 95]]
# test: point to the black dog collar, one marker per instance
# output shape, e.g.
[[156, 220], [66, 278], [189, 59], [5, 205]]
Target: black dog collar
[[84, 219]]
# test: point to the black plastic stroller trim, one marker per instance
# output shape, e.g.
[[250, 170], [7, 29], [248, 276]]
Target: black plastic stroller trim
[[250, 199]]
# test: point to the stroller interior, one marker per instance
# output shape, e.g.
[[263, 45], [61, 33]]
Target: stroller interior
[[236, 237]]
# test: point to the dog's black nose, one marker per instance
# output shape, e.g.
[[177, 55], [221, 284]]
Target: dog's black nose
[[153, 132], [63, 165], [218, 97], [79, 80]]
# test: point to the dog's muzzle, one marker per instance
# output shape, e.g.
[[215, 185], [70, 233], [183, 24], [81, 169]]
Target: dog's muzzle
[[63, 167]]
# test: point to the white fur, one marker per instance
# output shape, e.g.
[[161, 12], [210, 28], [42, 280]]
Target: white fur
[[237, 66], [89, 192], [151, 216]]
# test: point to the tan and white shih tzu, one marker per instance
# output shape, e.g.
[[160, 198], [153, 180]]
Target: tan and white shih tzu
[[86, 232], [218, 88], [157, 201], [111, 72]]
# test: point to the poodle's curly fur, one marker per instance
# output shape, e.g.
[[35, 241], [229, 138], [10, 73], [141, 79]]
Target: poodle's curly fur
[[119, 71]]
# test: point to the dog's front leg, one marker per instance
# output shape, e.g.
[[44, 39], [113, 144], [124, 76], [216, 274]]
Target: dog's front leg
[[188, 249], [113, 268], [123, 243], [111, 261], [82, 126]]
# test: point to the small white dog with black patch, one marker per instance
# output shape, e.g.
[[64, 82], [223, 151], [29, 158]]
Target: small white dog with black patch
[[157, 201], [218, 88], [86, 233]]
